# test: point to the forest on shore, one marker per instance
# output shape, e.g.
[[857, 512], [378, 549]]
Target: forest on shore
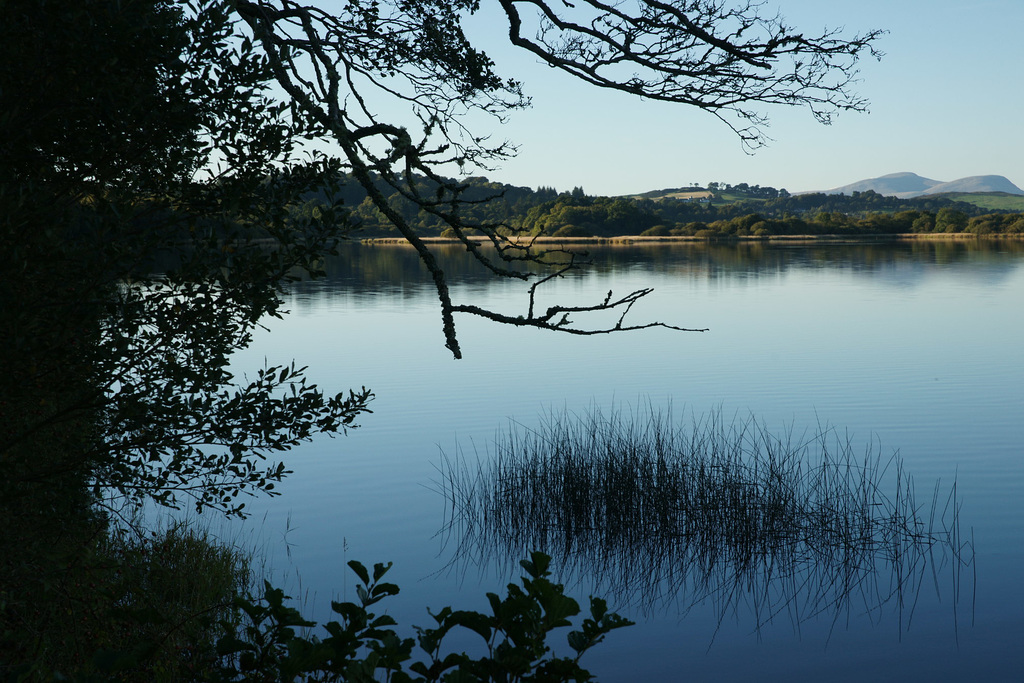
[[718, 211]]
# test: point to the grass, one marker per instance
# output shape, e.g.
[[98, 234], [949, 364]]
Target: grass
[[996, 201], [730, 197], [121, 605], [82, 596], [656, 511]]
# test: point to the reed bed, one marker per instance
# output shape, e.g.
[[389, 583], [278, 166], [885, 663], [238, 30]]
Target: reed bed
[[657, 511]]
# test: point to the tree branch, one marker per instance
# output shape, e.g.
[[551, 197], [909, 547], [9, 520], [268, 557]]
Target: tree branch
[[703, 53]]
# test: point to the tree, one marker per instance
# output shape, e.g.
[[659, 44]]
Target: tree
[[923, 222], [146, 178], [343, 70], [950, 220]]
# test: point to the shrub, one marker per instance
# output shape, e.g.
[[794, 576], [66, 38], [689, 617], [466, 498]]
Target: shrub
[[363, 645], [570, 231], [656, 231], [124, 605]]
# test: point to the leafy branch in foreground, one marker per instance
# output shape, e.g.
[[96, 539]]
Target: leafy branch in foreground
[[363, 646]]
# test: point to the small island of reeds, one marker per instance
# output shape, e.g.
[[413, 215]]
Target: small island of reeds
[[662, 512]]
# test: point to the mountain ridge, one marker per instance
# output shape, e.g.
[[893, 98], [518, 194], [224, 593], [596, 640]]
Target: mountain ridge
[[906, 185]]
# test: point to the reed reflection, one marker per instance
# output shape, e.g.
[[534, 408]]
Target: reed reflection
[[661, 514]]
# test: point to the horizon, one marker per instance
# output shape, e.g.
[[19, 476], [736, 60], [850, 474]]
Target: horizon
[[704, 186]]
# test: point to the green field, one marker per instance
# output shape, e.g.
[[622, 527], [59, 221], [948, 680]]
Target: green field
[[727, 196], [987, 201], [731, 197], [996, 201]]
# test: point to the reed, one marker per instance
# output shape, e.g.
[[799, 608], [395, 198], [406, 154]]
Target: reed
[[658, 511]]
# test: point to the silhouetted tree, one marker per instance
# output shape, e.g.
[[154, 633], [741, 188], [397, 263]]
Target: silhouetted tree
[[146, 182]]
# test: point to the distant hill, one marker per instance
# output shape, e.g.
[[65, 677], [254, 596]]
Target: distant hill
[[907, 185], [992, 201], [978, 183], [902, 185]]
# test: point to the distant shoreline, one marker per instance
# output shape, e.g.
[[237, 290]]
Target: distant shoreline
[[623, 240]]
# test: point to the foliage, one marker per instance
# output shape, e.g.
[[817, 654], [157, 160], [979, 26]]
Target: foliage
[[146, 202], [950, 220], [136, 608], [363, 645], [176, 605], [993, 223], [145, 194], [549, 213]]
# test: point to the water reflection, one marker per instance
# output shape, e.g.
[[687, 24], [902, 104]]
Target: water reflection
[[662, 514], [395, 270]]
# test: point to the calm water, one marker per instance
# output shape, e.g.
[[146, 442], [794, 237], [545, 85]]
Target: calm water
[[916, 349]]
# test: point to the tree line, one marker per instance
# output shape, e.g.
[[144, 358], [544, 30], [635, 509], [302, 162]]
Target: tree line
[[750, 211]]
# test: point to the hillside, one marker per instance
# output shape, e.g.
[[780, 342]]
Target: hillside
[[908, 185], [991, 201], [978, 183], [902, 185]]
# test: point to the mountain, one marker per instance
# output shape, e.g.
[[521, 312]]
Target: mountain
[[907, 185], [977, 183], [901, 185]]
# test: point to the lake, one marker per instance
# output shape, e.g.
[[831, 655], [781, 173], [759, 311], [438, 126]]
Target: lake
[[909, 349]]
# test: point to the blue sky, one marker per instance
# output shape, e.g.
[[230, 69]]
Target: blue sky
[[947, 101]]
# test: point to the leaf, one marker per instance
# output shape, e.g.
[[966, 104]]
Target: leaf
[[360, 571], [382, 590], [383, 620], [230, 644], [379, 570], [578, 641], [481, 624]]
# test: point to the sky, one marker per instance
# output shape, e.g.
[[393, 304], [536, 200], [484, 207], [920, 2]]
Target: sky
[[946, 102]]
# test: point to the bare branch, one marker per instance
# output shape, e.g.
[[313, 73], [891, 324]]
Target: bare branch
[[556, 319], [703, 53], [338, 69]]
